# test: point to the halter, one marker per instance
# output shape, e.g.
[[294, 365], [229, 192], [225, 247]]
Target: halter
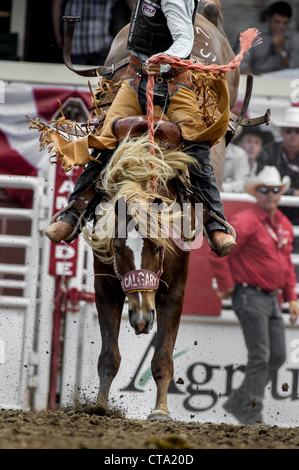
[[140, 280]]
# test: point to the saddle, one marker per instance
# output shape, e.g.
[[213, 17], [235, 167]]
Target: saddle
[[167, 133]]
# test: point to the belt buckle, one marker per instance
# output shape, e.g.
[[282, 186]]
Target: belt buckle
[[159, 79], [144, 67]]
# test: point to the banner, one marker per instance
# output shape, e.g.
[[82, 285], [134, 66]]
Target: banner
[[19, 147]]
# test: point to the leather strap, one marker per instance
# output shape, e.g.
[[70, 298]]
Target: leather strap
[[86, 197], [67, 49], [241, 120]]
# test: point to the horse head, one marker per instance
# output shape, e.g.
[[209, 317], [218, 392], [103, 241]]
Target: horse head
[[138, 264]]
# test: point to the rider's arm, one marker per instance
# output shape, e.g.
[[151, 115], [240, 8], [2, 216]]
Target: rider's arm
[[179, 20]]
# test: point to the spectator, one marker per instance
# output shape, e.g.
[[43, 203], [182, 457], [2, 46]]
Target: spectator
[[258, 267], [93, 34], [252, 139], [279, 49], [285, 156], [236, 169]]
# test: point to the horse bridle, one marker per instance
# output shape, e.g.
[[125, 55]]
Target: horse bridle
[[140, 280]]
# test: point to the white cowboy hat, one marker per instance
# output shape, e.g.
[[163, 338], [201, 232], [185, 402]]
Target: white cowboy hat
[[269, 176], [290, 119]]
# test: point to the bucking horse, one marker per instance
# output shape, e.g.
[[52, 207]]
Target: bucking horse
[[129, 262]]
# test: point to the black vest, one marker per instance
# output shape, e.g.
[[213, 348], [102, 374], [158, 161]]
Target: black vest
[[149, 33]]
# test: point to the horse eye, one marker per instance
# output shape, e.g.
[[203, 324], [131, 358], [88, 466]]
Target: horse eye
[[158, 249], [117, 249]]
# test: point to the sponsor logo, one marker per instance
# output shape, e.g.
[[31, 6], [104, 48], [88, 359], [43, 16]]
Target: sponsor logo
[[206, 383], [148, 11], [140, 279]]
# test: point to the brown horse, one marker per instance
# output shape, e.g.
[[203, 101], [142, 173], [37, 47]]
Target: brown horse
[[151, 272]]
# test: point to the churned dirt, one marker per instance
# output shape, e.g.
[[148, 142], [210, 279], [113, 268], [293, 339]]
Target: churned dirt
[[93, 430]]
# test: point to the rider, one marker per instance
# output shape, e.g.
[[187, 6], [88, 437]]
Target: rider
[[163, 26]]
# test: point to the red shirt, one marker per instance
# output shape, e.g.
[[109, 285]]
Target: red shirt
[[262, 256]]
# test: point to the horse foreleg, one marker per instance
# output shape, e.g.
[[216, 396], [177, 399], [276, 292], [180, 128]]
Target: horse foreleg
[[162, 362], [109, 359]]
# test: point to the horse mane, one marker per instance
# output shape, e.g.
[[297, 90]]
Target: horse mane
[[129, 175]]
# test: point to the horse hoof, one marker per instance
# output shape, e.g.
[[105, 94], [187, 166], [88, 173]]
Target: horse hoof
[[159, 415]]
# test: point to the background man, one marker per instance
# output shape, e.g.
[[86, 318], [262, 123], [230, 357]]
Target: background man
[[252, 140], [285, 156], [254, 273], [279, 48]]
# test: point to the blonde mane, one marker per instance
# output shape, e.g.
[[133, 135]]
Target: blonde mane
[[129, 175]]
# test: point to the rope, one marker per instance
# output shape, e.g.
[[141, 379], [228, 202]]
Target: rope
[[246, 42], [248, 39], [150, 117]]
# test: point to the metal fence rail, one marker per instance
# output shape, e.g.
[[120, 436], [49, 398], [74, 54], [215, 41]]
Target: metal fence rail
[[19, 284]]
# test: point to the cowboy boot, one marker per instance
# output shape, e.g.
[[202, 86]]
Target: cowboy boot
[[82, 203], [203, 182], [58, 231]]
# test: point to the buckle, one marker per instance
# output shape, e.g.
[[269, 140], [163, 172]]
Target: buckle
[[144, 67], [159, 79]]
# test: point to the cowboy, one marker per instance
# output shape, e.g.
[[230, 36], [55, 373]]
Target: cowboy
[[253, 275], [163, 26], [252, 140], [285, 155]]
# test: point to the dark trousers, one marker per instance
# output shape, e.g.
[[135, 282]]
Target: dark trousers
[[264, 333], [203, 181], [90, 173]]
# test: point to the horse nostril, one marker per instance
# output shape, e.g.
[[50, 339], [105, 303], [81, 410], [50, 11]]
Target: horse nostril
[[140, 324], [152, 315]]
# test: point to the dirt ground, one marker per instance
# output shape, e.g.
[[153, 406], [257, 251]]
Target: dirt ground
[[86, 430]]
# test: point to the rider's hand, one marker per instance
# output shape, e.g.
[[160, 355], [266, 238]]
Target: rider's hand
[[153, 69]]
